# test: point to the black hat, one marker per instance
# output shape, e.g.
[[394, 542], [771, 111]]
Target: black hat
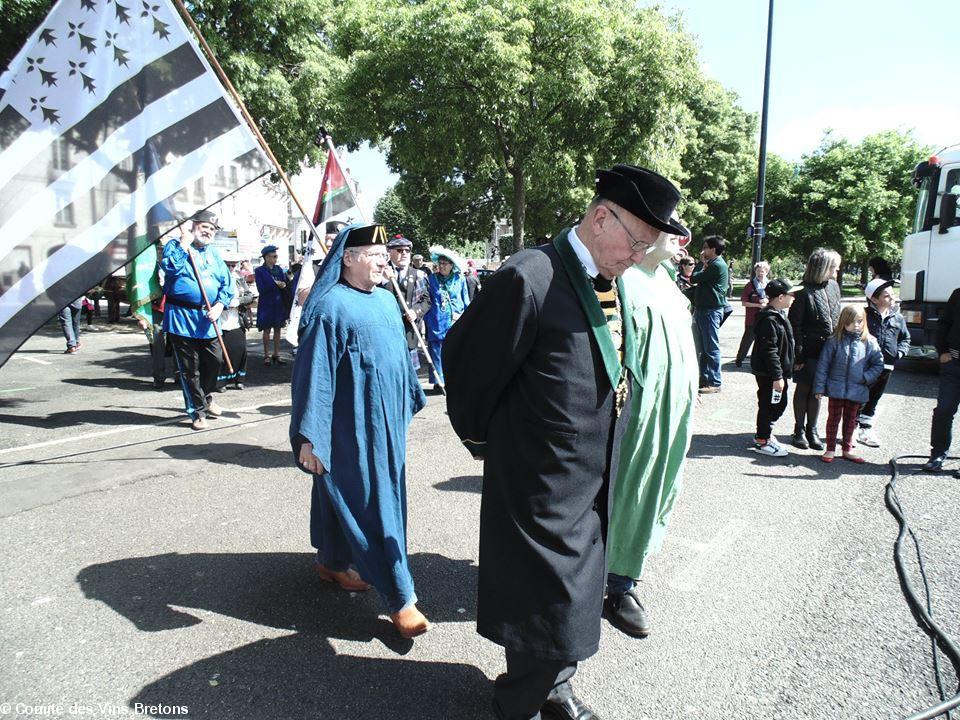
[[399, 241], [335, 226], [776, 288], [206, 216], [364, 235], [643, 193]]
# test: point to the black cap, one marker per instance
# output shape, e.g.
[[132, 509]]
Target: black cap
[[206, 216], [364, 235], [399, 241], [643, 193], [776, 288]]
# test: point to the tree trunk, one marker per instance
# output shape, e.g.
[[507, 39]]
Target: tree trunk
[[519, 208]]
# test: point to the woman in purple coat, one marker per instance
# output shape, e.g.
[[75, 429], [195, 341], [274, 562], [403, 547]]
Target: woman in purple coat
[[272, 306]]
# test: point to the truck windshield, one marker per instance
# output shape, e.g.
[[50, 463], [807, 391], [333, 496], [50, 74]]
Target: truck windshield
[[923, 197]]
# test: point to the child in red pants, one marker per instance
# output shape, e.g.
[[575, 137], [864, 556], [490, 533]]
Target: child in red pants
[[849, 363]]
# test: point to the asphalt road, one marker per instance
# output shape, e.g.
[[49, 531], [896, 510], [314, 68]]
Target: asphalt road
[[147, 568]]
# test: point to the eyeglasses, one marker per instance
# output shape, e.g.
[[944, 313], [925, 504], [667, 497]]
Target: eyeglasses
[[375, 255], [635, 245], [402, 251]]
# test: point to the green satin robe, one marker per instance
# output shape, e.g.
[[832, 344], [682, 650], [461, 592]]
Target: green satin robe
[[657, 437]]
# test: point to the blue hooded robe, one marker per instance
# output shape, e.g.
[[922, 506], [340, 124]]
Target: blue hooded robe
[[354, 394]]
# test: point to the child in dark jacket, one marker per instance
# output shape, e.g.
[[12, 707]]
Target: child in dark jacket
[[849, 364], [887, 325], [772, 365]]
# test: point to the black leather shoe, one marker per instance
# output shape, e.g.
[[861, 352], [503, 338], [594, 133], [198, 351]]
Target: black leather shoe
[[935, 463], [627, 614], [799, 441], [572, 708], [814, 440]]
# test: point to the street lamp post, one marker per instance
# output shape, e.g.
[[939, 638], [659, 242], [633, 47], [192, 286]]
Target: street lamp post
[[757, 229]]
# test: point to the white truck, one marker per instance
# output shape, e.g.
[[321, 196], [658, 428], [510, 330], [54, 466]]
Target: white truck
[[931, 253]]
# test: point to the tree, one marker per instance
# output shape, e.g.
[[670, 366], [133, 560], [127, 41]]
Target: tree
[[275, 52], [857, 199], [719, 160], [394, 215], [517, 101], [19, 20]]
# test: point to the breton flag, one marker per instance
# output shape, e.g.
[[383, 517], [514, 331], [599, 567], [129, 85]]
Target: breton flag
[[107, 113], [335, 199]]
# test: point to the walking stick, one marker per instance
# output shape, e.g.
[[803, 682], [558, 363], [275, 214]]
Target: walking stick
[[206, 301]]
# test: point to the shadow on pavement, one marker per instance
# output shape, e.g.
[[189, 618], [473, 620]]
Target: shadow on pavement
[[301, 676], [278, 590], [247, 456], [71, 418], [121, 383], [463, 483], [706, 447]]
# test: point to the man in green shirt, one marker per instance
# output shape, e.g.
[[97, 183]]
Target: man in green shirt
[[709, 300]]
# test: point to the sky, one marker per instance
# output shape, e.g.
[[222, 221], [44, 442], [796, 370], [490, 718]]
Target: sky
[[854, 66]]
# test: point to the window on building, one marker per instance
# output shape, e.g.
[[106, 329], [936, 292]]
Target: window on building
[[60, 155], [65, 216], [198, 189], [221, 176], [234, 180]]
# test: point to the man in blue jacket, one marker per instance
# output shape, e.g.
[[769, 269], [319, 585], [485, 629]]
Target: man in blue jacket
[[187, 322]]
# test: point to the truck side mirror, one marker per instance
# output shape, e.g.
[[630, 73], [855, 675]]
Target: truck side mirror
[[948, 212]]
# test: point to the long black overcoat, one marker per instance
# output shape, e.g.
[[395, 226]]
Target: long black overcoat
[[530, 376]]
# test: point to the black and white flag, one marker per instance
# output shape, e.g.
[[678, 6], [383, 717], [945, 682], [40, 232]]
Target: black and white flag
[[100, 87]]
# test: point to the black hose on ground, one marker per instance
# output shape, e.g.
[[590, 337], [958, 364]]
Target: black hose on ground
[[922, 610]]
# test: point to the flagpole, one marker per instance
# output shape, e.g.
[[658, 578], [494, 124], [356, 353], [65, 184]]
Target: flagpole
[[393, 280], [246, 116]]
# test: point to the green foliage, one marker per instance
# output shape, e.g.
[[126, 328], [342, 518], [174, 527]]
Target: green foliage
[[515, 102], [277, 55], [856, 199], [20, 18], [394, 215]]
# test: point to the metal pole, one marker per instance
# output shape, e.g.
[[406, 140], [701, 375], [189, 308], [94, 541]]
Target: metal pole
[[757, 229], [393, 280]]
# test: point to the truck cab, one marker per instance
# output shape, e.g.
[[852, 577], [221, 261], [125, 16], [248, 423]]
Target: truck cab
[[931, 253]]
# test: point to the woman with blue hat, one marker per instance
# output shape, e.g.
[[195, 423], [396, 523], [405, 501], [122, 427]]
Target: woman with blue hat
[[272, 307], [449, 297]]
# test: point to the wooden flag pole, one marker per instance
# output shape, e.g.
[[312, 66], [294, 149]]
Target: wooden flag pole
[[393, 280], [206, 301], [247, 117]]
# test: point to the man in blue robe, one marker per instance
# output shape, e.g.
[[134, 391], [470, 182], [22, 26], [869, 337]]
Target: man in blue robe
[[354, 394]]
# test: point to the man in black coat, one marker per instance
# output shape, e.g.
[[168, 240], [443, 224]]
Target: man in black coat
[[537, 372], [413, 285]]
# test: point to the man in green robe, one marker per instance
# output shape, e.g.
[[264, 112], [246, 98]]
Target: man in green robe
[[657, 438]]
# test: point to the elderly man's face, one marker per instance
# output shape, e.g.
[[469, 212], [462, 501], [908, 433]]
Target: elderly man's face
[[363, 266], [203, 232], [620, 240], [400, 257]]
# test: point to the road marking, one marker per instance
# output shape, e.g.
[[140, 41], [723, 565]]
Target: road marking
[[9, 390], [30, 359], [689, 577], [127, 428]]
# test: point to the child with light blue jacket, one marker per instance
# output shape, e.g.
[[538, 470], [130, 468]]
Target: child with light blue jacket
[[849, 364]]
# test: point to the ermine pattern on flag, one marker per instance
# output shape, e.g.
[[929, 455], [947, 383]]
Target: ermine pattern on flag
[[99, 86]]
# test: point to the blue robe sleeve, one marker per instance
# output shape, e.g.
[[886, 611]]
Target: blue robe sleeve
[[464, 292], [313, 387], [174, 259]]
